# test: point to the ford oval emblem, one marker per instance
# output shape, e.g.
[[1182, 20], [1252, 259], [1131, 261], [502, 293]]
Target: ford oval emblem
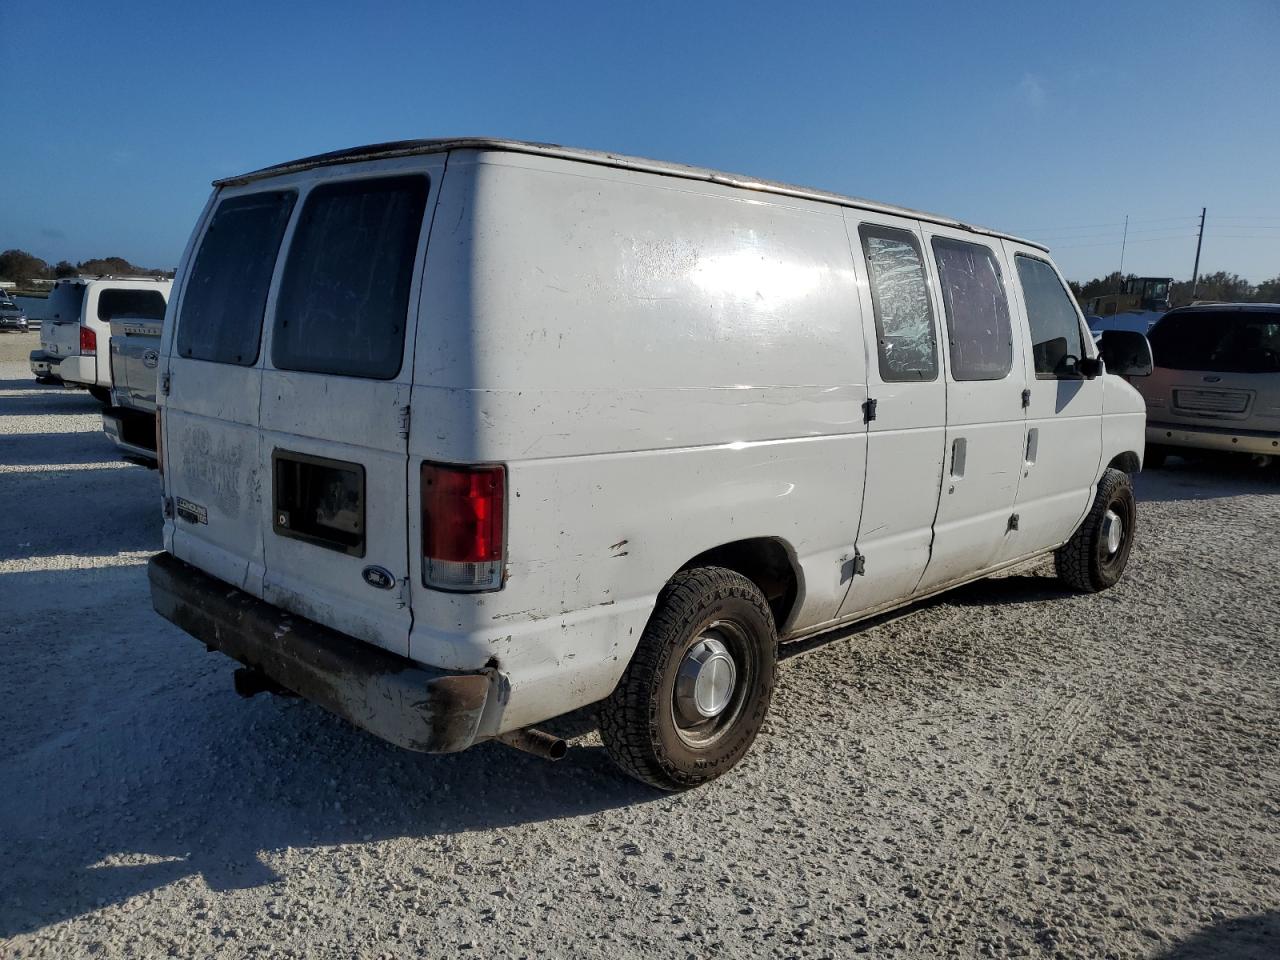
[[379, 577], [151, 359], [1212, 379]]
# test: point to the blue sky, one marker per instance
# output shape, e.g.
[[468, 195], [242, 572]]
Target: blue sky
[[1053, 120]]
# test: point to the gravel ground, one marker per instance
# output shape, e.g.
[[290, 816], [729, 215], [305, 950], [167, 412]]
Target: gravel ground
[[1008, 771]]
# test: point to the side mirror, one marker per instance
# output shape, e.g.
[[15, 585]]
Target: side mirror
[[1126, 352], [1090, 367]]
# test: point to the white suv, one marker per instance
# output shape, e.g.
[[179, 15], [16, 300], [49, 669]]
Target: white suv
[[75, 337], [458, 436]]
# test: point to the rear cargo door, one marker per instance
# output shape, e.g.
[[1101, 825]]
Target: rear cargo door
[[60, 333], [135, 358], [211, 379], [335, 399]]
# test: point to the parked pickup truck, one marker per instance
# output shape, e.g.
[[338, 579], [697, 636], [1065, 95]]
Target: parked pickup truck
[[73, 342], [130, 420]]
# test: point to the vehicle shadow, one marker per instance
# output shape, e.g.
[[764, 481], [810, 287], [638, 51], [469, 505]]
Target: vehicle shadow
[[130, 763], [29, 397], [63, 512], [1206, 478], [51, 449], [1027, 586], [1255, 937]]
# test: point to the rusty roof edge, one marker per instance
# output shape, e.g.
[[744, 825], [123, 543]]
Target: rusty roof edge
[[408, 148]]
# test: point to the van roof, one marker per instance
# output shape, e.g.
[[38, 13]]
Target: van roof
[[405, 148]]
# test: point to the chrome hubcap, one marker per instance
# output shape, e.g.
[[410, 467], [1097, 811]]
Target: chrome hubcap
[[1112, 531], [705, 682]]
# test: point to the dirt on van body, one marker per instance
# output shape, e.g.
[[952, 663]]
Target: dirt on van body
[[1009, 771]]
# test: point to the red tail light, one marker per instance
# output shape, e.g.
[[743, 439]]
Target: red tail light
[[88, 340], [463, 511]]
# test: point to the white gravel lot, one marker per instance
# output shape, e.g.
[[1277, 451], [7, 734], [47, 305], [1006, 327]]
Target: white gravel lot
[[1009, 771]]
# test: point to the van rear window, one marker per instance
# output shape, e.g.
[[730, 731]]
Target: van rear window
[[141, 304], [344, 298], [1222, 341], [226, 294]]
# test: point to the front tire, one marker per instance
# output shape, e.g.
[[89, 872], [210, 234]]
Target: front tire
[[698, 687], [1097, 553]]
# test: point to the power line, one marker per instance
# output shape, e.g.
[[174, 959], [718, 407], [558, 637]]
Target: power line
[[1116, 241], [1117, 224]]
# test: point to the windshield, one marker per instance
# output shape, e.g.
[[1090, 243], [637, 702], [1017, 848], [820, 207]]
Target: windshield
[[65, 301], [1225, 341]]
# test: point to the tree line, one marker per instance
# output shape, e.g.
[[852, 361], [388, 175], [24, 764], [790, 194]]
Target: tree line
[[1228, 287], [22, 267]]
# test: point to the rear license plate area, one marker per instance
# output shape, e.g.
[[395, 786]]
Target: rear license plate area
[[319, 501]]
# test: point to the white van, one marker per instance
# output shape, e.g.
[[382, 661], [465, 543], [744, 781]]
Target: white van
[[75, 340], [461, 435]]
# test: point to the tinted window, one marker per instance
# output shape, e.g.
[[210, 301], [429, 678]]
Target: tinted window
[[226, 292], [904, 321], [344, 298], [143, 304], [1056, 342], [66, 300], [980, 337], [1227, 341]]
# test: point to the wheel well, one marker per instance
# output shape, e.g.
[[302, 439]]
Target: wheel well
[[764, 561], [1126, 462]]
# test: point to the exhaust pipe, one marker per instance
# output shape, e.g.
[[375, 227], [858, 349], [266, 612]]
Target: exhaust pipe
[[538, 742]]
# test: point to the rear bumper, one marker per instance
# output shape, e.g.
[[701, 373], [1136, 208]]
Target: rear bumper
[[44, 366], [80, 370], [125, 429], [1212, 438], [403, 702]]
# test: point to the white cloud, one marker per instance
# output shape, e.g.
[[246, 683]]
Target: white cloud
[[1032, 91]]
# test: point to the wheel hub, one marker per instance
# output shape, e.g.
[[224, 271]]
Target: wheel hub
[[705, 682], [1112, 531]]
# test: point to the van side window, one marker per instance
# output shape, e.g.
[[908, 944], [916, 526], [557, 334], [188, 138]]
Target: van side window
[[1056, 342], [226, 294], [900, 297], [142, 304], [980, 335], [344, 298]]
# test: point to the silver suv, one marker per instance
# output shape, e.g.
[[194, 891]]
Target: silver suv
[[1216, 383]]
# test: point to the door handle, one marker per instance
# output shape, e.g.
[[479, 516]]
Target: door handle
[[959, 447], [1033, 445]]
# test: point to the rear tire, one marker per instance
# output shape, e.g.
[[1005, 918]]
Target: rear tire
[[1098, 552], [681, 715], [1154, 457]]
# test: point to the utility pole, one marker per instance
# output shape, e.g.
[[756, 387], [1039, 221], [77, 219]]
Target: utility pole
[[1195, 271], [1123, 240]]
